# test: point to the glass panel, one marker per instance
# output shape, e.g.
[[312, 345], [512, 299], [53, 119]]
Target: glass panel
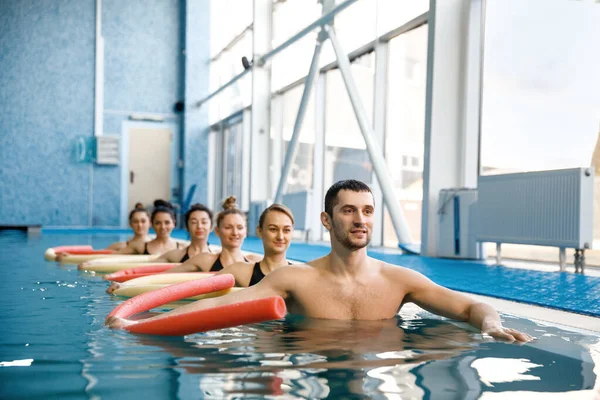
[[541, 93], [226, 25], [362, 13], [230, 100], [393, 13], [405, 128], [346, 156], [541, 85], [232, 135], [300, 177]]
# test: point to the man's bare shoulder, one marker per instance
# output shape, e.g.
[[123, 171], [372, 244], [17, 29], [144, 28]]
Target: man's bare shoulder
[[319, 263]]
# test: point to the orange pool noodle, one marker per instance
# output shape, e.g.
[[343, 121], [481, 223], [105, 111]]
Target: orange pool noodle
[[86, 252], [201, 320]]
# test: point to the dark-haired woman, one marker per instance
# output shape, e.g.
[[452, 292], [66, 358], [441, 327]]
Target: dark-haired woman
[[198, 222], [231, 230], [275, 229], [163, 222], [139, 221]]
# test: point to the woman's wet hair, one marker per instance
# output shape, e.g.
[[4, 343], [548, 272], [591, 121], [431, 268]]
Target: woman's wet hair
[[162, 206], [139, 207], [229, 206], [275, 207], [198, 207]]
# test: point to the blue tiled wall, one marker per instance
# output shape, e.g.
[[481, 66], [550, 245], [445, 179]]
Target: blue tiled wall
[[142, 57], [196, 88], [46, 100], [47, 56]]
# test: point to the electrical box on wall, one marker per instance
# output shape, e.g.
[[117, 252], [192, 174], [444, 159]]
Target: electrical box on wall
[[85, 149], [108, 149]]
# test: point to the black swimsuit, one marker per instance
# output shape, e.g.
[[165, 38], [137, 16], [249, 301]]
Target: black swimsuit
[[257, 274], [186, 256], [217, 266]]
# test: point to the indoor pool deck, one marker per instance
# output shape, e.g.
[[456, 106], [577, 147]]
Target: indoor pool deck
[[564, 291]]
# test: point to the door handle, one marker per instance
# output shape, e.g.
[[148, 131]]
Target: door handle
[[131, 176]]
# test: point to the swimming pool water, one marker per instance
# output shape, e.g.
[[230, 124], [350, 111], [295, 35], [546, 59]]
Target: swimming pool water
[[53, 345]]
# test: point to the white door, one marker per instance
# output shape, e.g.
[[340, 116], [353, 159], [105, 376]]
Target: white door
[[149, 165]]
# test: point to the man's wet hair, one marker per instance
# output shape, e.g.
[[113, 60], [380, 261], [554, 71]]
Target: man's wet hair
[[349, 184]]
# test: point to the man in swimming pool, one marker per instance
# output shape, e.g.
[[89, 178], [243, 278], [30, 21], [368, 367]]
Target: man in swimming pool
[[347, 284]]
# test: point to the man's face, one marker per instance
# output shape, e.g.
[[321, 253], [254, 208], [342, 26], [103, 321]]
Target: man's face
[[352, 222]]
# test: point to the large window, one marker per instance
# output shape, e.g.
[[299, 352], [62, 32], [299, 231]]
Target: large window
[[228, 161], [230, 40], [346, 156], [405, 127], [541, 90], [283, 118], [541, 85]]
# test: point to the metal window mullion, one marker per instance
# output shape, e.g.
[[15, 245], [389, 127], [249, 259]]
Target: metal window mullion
[[318, 184], [291, 151], [379, 123]]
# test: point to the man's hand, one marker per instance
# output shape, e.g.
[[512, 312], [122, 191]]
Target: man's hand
[[497, 331]]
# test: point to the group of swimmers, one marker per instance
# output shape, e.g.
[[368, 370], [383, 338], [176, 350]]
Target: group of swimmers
[[345, 284], [275, 228]]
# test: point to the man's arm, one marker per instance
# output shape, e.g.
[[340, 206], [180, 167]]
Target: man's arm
[[275, 284], [448, 303]]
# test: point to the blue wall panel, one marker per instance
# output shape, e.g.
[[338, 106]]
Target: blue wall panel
[[142, 54], [47, 56], [46, 101], [196, 88]]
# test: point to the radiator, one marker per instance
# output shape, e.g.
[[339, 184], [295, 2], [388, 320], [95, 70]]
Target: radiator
[[547, 208]]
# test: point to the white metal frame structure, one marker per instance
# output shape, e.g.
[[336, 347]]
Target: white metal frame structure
[[453, 100]]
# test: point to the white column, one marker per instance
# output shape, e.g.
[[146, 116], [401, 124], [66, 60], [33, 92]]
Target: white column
[[450, 154], [261, 101]]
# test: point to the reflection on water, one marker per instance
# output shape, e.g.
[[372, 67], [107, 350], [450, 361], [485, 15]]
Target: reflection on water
[[55, 319]]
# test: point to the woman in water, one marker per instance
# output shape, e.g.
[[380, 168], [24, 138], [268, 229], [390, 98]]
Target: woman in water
[[139, 221], [231, 230], [275, 228], [163, 222], [198, 222]]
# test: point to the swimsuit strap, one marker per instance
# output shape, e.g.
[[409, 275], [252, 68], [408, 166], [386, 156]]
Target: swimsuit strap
[[217, 266], [186, 256], [257, 275]]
